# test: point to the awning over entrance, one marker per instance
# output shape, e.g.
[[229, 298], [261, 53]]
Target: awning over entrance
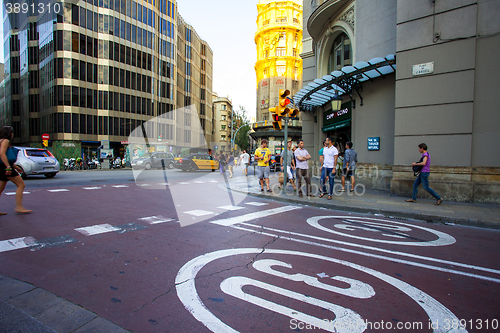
[[343, 82]]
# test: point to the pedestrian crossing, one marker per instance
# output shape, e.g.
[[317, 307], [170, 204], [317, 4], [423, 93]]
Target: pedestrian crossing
[[141, 223]]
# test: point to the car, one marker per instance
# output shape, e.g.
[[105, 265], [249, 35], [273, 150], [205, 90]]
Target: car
[[154, 161], [37, 161], [194, 162]]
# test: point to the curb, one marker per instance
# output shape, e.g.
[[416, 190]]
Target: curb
[[430, 218]]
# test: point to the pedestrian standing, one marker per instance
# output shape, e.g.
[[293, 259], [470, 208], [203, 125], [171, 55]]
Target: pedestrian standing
[[301, 158], [321, 161], [263, 155], [423, 176], [222, 160], [350, 160], [8, 170], [244, 159], [330, 154], [230, 164], [290, 164]]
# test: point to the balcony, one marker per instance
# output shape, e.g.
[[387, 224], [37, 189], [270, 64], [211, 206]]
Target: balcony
[[322, 14]]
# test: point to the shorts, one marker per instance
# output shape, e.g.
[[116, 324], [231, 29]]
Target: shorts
[[349, 173], [263, 172], [289, 172], [244, 165], [3, 177]]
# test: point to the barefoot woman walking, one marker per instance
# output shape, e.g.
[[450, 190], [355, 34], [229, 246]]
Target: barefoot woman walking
[[8, 170]]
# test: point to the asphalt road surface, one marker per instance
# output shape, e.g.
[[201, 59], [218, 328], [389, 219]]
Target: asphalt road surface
[[178, 252]]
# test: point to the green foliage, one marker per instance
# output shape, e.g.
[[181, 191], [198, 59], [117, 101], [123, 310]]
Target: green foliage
[[240, 119]]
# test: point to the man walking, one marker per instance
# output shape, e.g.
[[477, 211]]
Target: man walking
[[330, 154], [263, 155], [290, 164], [350, 159], [244, 159], [301, 157]]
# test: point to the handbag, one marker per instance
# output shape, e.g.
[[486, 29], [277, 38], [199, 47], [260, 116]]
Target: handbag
[[11, 155], [417, 168]]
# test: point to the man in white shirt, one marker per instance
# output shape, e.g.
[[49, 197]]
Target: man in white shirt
[[301, 157], [330, 154], [244, 159]]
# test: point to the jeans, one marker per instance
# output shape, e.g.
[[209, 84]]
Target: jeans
[[423, 178], [331, 178]]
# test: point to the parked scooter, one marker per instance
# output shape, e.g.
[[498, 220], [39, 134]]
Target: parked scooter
[[117, 163]]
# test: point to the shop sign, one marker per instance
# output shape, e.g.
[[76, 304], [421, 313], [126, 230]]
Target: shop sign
[[68, 144], [124, 142], [374, 143], [421, 69], [331, 117]]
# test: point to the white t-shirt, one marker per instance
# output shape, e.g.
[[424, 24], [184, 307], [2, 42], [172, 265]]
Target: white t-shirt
[[329, 155], [244, 158]]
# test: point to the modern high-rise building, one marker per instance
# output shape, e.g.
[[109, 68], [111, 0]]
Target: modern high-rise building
[[92, 71], [279, 66]]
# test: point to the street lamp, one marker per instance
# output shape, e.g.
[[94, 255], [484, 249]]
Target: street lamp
[[336, 102]]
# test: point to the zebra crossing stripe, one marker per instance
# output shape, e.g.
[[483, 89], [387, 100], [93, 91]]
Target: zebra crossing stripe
[[59, 190], [16, 243], [256, 203], [97, 229], [155, 219], [231, 207], [199, 212], [14, 193], [92, 188], [117, 186]]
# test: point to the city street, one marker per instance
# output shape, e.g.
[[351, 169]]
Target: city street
[[191, 256]]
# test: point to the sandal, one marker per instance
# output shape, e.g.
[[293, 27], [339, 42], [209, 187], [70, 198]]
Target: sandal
[[410, 200], [321, 195], [3, 213], [269, 190], [329, 197], [26, 211], [342, 190]]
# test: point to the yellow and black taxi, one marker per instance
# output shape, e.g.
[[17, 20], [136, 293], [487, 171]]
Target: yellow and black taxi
[[196, 162]]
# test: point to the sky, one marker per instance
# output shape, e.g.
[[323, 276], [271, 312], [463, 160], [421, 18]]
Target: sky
[[228, 26]]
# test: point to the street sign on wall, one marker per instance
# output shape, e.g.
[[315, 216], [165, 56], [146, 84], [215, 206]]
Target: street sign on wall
[[374, 143]]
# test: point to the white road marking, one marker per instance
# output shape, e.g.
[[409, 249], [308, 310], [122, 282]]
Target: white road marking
[[183, 183], [343, 316], [155, 219], [164, 184], [14, 193], [199, 212], [443, 239], [256, 203], [231, 207], [186, 287], [59, 190], [144, 185], [16, 243], [404, 254], [92, 188], [401, 261], [117, 186], [97, 229], [253, 216], [322, 275], [214, 181], [199, 182]]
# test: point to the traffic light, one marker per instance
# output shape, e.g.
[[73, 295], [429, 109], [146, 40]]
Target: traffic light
[[294, 113], [282, 108], [276, 122]]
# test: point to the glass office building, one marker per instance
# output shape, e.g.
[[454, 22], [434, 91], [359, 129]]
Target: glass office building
[[93, 70]]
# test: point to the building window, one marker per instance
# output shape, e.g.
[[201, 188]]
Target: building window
[[280, 51], [281, 19], [223, 117], [340, 54], [223, 107], [222, 138], [223, 127], [281, 69]]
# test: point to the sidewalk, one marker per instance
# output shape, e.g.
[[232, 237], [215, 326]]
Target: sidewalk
[[376, 202]]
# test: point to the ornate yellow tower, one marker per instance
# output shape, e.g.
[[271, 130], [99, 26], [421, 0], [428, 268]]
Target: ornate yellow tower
[[279, 43]]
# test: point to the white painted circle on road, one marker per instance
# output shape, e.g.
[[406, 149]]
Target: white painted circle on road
[[442, 238], [188, 295]]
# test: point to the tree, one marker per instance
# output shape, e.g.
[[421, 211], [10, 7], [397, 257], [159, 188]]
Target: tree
[[240, 119]]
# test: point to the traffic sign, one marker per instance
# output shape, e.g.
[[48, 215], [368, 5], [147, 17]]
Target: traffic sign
[[45, 136]]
